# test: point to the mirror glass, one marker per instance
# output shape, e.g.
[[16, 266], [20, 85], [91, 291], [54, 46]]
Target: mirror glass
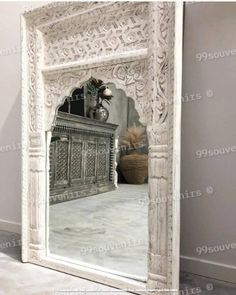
[[98, 201]]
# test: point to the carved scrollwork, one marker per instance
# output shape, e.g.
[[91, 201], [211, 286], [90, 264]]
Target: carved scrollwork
[[97, 34], [56, 88], [131, 77], [56, 10], [159, 66]]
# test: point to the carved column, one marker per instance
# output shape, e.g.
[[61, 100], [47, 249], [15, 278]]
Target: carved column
[[158, 189], [37, 193], [160, 94], [37, 150]]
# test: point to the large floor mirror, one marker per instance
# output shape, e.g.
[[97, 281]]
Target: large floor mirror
[[101, 84], [98, 212]]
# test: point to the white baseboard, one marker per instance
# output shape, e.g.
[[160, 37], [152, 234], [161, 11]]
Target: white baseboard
[[10, 226], [207, 268]]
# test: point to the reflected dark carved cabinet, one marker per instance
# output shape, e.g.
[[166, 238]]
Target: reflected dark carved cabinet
[[82, 158]]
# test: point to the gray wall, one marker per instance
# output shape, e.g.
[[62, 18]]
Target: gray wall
[[122, 110], [208, 123], [10, 96]]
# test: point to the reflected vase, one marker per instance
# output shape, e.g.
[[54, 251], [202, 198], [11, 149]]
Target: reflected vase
[[101, 113]]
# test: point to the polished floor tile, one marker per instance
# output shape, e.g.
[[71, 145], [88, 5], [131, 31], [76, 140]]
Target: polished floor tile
[[108, 230]]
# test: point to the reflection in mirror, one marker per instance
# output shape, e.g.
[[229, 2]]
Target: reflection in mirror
[[98, 182]]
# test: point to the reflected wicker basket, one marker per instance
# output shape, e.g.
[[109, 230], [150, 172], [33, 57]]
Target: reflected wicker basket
[[134, 168]]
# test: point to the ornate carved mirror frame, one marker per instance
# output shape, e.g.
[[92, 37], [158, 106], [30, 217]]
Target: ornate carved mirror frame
[[138, 47]]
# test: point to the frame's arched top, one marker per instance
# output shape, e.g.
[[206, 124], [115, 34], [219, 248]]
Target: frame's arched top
[[68, 92], [131, 77]]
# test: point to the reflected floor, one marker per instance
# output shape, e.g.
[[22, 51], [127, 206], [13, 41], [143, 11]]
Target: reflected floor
[[29, 279], [109, 230]]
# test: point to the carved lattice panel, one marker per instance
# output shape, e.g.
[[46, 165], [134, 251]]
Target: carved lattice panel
[[91, 152], [61, 166], [51, 164], [103, 158], [102, 163], [76, 160]]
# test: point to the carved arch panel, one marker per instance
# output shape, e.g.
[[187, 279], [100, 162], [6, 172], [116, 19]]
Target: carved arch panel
[[130, 77]]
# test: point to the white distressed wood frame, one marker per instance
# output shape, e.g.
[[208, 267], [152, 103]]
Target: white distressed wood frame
[[137, 46]]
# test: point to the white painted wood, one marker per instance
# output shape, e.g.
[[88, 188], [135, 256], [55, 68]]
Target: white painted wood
[[100, 269], [177, 144], [142, 57], [123, 57]]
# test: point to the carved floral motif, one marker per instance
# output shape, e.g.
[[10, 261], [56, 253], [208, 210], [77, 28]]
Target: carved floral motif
[[101, 35], [130, 76]]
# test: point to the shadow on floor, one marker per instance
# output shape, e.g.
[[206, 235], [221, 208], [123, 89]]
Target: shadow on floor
[[193, 284], [10, 245]]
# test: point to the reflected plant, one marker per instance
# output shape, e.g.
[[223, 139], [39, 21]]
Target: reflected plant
[[99, 90], [134, 138], [134, 165]]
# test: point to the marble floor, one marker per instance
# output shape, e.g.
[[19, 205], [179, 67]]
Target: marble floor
[[18, 278], [108, 230]]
